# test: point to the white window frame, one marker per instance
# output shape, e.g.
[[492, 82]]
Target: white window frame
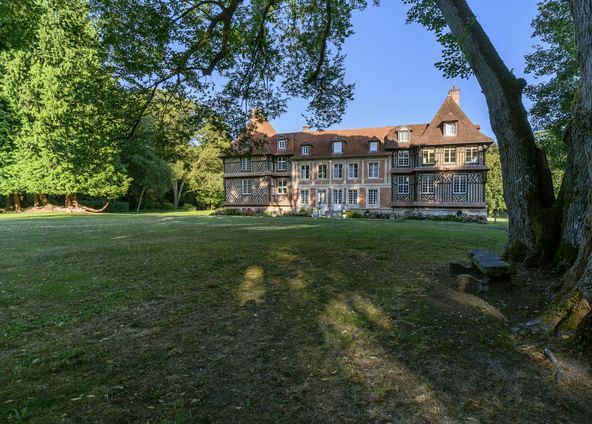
[[337, 150], [404, 136], [351, 191], [351, 166], [460, 180], [282, 144], [282, 187], [449, 150], [304, 197], [246, 165], [335, 167], [450, 129], [305, 150], [403, 160], [246, 187], [326, 197], [427, 188], [373, 146], [476, 158], [402, 184], [375, 204], [376, 166], [326, 167], [433, 155], [302, 168], [340, 191], [282, 164]]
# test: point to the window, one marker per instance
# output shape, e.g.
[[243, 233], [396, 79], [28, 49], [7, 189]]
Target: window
[[403, 184], [282, 164], [245, 164], [305, 150], [282, 187], [459, 184], [337, 196], [427, 184], [429, 156], [338, 171], [374, 146], [450, 155], [246, 186], [304, 197], [304, 172], [403, 158], [352, 197], [352, 171], [373, 170], [282, 144], [404, 136], [449, 128], [373, 197], [472, 155], [322, 197], [322, 171], [338, 147]]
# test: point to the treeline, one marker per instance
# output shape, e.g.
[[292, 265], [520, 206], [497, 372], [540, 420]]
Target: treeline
[[72, 135]]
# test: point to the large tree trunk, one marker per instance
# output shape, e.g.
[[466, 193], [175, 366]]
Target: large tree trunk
[[17, 202], [177, 192], [7, 199], [45, 201], [528, 190], [140, 200]]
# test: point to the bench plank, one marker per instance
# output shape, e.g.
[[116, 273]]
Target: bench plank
[[492, 266]]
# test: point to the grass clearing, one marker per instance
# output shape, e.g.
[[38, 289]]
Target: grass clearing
[[185, 318]]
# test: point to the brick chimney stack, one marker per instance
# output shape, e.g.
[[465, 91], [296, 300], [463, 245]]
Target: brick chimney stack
[[454, 93], [305, 128]]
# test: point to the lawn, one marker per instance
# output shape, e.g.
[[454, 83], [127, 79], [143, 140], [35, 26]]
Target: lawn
[[185, 318]]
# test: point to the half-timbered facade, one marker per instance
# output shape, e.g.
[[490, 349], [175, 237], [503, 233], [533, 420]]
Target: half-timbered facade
[[435, 168]]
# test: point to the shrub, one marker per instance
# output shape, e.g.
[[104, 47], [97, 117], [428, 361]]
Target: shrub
[[230, 211], [352, 214], [168, 206], [189, 207]]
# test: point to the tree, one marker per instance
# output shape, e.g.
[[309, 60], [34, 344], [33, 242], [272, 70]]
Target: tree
[[494, 191]]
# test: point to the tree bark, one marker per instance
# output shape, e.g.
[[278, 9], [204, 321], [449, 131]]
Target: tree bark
[[17, 202], [528, 190], [45, 200], [177, 192], [140, 200], [7, 198], [36, 203]]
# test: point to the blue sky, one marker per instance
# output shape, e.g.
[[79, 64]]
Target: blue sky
[[392, 65]]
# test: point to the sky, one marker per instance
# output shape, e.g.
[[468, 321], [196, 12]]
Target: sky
[[392, 66]]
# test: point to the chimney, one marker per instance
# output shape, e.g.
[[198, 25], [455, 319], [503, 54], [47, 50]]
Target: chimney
[[305, 128], [454, 93]]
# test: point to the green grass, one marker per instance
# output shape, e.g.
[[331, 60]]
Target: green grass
[[185, 318]]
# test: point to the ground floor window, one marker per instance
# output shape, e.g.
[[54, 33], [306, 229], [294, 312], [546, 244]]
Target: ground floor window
[[322, 197], [403, 184], [282, 187], [337, 197], [372, 197], [427, 184], [304, 197], [352, 197], [246, 186], [459, 184]]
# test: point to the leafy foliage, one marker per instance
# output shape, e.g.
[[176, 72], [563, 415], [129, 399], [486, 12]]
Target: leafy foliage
[[555, 151], [494, 189]]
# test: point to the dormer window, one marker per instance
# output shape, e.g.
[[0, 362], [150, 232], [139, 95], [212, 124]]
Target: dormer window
[[404, 135], [305, 150], [373, 146], [246, 164], [338, 147], [449, 129], [282, 144]]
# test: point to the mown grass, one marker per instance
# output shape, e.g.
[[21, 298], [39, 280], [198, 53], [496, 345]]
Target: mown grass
[[180, 317]]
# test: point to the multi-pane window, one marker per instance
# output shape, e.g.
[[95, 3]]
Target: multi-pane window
[[450, 155], [246, 164], [304, 197], [428, 156], [282, 164], [282, 187], [459, 184], [427, 184], [404, 136], [352, 170], [373, 197], [374, 146], [305, 150], [373, 170], [337, 196], [338, 147], [403, 184], [304, 172], [338, 171], [322, 197], [403, 158], [246, 186], [282, 144], [352, 197], [472, 154], [322, 171], [449, 128]]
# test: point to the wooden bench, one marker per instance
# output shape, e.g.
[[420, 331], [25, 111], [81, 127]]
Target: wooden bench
[[491, 266]]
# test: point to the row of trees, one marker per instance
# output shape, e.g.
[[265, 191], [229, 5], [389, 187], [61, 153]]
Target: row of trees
[[68, 127]]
